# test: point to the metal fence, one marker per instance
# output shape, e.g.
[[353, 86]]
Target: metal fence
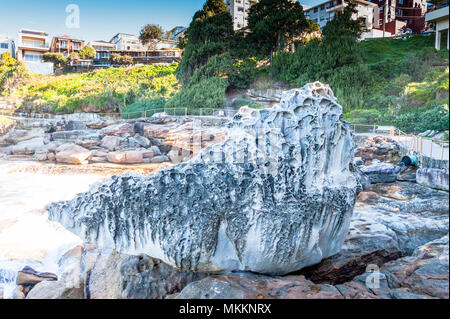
[[426, 146], [131, 115]]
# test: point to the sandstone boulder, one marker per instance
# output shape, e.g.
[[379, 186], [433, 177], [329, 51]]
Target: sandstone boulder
[[72, 154], [110, 143]]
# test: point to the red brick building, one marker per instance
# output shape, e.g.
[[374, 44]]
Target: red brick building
[[411, 12]]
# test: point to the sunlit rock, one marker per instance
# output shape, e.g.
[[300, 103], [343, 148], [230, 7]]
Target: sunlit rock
[[275, 196]]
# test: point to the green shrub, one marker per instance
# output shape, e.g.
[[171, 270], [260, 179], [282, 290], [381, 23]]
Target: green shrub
[[422, 120], [207, 93]]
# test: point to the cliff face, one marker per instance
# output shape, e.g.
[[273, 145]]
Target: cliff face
[[275, 196]]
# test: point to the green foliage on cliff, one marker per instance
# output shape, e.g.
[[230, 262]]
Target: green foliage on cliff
[[108, 90]]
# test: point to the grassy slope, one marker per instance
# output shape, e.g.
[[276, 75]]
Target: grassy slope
[[101, 90]]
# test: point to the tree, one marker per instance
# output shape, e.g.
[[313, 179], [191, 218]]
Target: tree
[[274, 24], [118, 59], [87, 52], [150, 32], [57, 59], [208, 35]]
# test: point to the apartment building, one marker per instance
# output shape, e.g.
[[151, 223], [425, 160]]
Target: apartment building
[[239, 12], [7, 45], [100, 45], [410, 14], [438, 15], [66, 45], [326, 11], [32, 44], [128, 42]]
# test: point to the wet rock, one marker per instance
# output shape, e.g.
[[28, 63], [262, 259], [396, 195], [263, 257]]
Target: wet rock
[[127, 157], [72, 154], [143, 277], [270, 214], [29, 276], [381, 172], [110, 143], [433, 177]]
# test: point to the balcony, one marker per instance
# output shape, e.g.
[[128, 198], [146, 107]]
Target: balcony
[[33, 45], [436, 15]]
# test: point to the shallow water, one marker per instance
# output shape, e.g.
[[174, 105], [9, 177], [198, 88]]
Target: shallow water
[[27, 237]]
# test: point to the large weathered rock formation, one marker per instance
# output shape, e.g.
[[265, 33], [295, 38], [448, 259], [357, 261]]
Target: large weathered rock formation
[[275, 196]]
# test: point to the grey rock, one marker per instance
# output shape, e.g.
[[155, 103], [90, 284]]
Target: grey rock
[[227, 210], [159, 159], [155, 150], [143, 277], [381, 172], [433, 177], [28, 147], [141, 140], [75, 126]]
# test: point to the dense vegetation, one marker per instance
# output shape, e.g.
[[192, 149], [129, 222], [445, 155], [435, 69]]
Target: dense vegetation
[[108, 90], [380, 81]]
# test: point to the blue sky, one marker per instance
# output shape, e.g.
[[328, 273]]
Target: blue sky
[[99, 19]]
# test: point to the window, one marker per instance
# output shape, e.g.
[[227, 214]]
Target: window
[[32, 57], [63, 44], [400, 1], [316, 10], [4, 46]]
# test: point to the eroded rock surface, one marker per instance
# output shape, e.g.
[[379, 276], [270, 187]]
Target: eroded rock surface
[[275, 196]]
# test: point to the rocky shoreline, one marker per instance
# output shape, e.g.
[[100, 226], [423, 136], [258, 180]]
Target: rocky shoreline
[[396, 246]]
